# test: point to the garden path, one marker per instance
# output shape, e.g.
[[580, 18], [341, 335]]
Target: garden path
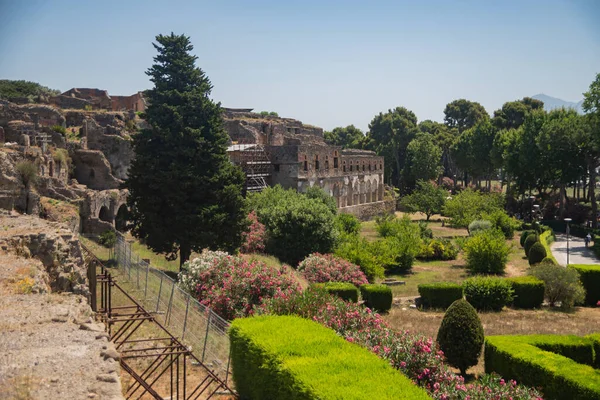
[[578, 253]]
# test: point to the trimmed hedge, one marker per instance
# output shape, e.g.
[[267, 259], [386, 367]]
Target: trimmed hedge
[[488, 293], [537, 253], [528, 291], [524, 236], [440, 295], [288, 357], [534, 361], [344, 290], [595, 338], [546, 239], [530, 241], [589, 275], [377, 297]]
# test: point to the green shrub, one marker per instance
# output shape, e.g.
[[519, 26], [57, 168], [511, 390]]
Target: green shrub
[[528, 292], [595, 338], [546, 238], [478, 226], [537, 253], [488, 293], [358, 251], [562, 284], [27, 172], [425, 231], [440, 295], [395, 254], [589, 275], [437, 249], [461, 336], [524, 235], [500, 220], [61, 156], [287, 357], [530, 241], [558, 376], [487, 253], [108, 239], [549, 260], [377, 297], [469, 205], [59, 129], [296, 225], [344, 290], [348, 223]]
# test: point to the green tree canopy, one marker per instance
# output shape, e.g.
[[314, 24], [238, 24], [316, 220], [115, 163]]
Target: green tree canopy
[[472, 151], [426, 198], [512, 114], [464, 114], [10, 89], [423, 159], [444, 137], [389, 135], [184, 194], [591, 139], [348, 137]]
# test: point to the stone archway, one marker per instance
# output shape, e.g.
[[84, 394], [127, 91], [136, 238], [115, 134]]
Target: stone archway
[[121, 218], [104, 215]]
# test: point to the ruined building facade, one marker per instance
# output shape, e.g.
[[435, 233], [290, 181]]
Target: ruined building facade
[[284, 151]]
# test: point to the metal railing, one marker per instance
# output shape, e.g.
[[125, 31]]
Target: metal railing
[[196, 325]]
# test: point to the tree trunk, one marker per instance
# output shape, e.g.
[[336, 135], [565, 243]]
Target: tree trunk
[[561, 195], [592, 193], [185, 251]]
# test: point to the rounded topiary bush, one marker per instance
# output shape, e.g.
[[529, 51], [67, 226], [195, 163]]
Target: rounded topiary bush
[[531, 239], [461, 335], [537, 253], [523, 237], [377, 297]]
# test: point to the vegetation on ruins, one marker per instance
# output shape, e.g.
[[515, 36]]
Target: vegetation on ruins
[[461, 336], [184, 194], [27, 172], [10, 90], [296, 224]]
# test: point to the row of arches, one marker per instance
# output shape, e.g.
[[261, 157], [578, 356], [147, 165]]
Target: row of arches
[[118, 220]]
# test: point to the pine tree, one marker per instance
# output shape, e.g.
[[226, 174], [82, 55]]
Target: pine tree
[[184, 194]]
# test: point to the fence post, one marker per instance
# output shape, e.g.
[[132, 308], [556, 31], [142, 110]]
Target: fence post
[[159, 292], [137, 274], [168, 316], [228, 363], [146, 286], [206, 336], [187, 307]]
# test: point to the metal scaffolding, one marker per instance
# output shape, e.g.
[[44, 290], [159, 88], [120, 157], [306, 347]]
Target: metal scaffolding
[[254, 160]]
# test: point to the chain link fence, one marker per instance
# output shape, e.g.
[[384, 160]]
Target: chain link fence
[[195, 324]]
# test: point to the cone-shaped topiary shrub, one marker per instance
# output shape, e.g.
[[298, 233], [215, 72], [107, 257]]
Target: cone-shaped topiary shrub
[[537, 253], [523, 237], [531, 239], [461, 335]]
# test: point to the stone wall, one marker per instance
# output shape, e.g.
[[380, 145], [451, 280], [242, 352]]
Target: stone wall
[[93, 170], [134, 102], [97, 97], [367, 211]]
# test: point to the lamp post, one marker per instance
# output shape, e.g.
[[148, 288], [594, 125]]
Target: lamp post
[[567, 220]]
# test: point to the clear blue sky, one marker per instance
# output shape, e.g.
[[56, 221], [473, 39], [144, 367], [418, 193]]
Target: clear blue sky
[[327, 63]]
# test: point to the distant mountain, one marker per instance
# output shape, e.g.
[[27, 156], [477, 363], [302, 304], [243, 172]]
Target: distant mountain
[[550, 103]]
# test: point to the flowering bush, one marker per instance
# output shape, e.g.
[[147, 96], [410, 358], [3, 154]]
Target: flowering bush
[[254, 238], [232, 286], [416, 356], [319, 268]]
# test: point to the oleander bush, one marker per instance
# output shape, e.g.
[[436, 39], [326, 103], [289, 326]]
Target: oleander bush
[[440, 295], [488, 293], [253, 240], [528, 292], [589, 275], [549, 362], [486, 253], [461, 335], [562, 284], [537, 253], [344, 290], [320, 268], [530, 241], [232, 286], [288, 357], [377, 297]]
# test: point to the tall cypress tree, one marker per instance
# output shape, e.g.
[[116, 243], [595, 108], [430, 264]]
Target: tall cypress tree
[[184, 194]]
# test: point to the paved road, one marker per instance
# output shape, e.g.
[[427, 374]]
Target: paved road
[[578, 253]]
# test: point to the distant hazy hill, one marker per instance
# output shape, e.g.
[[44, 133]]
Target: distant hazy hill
[[551, 103]]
